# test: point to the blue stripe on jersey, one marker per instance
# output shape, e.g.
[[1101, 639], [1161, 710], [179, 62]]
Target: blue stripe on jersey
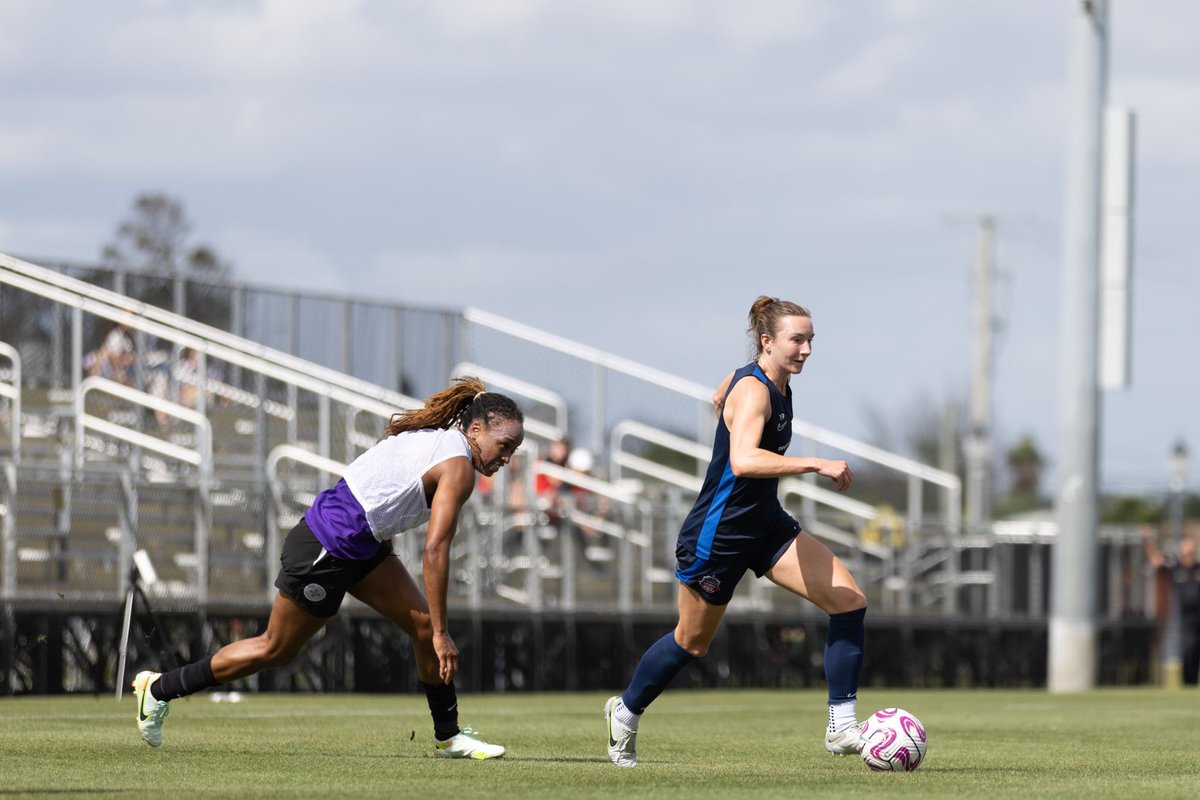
[[731, 513], [713, 518]]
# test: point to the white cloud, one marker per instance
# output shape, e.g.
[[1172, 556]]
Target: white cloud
[[288, 261], [477, 276], [763, 23], [866, 74], [1168, 117], [23, 25], [482, 20], [520, 154], [56, 236], [25, 147]]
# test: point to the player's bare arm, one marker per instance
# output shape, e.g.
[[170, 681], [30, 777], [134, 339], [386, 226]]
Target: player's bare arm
[[455, 480], [718, 398], [746, 412]]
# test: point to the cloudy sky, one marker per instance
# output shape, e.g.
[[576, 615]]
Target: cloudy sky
[[632, 173]]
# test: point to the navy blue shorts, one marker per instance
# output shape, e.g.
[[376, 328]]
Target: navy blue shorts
[[715, 578]]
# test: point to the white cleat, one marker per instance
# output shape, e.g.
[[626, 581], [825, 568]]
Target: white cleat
[[845, 742], [622, 740], [464, 745], [150, 712]]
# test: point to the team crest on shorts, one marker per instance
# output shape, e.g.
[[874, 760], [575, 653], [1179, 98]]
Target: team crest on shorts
[[314, 592], [710, 584]]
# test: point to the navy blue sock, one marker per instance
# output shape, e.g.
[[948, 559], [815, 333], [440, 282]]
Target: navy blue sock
[[844, 654], [184, 681], [658, 666]]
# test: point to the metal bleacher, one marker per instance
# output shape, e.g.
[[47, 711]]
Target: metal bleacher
[[204, 470]]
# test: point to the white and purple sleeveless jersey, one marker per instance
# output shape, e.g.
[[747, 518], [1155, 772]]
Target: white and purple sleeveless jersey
[[380, 493]]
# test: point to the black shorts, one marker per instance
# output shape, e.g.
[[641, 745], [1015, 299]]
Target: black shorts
[[715, 578], [315, 579]]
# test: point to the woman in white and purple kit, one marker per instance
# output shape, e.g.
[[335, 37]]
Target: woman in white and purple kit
[[423, 469]]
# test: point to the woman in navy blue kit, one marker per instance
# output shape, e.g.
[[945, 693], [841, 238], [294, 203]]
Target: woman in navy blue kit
[[423, 469], [737, 523]]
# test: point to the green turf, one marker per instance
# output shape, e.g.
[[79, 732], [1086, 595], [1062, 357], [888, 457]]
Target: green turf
[[1118, 743]]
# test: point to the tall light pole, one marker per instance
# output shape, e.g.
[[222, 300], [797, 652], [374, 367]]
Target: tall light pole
[[978, 448], [1072, 630]]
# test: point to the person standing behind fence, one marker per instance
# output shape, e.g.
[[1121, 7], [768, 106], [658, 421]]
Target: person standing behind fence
[[547, 488], [423, 469], [114, 358], [737, 523], [1183, 573]]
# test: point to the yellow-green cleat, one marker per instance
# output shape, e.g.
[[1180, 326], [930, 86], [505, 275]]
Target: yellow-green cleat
[[464, 745], [622, 740], [150, 712]]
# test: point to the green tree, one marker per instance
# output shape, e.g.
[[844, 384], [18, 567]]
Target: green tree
[[153, 245], [154, 240], [1132, 509], [1025, 464], [924, 429]]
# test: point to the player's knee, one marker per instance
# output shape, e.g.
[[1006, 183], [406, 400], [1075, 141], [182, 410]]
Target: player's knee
[[848, 600], [697, 647], [840, 599], [422, 628], [276, 653]]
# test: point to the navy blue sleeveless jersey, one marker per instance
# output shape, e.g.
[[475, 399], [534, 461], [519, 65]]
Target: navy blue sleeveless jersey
[[732, 514]]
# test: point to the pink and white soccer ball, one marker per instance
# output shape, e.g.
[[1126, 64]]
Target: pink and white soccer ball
[[893, 740]]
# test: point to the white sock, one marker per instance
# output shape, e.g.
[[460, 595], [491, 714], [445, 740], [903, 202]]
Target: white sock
[[842, 715], [625, 716]]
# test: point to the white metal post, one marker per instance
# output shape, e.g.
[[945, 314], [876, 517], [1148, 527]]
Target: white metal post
[[1071, 661]]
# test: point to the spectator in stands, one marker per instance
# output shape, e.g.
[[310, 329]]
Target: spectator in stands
[[186, 374], [516, 495], [737, 523], [1183, 572], [583, 462], [515, 500], [423, 469], [156, 373], [115, 356], [548, 488]]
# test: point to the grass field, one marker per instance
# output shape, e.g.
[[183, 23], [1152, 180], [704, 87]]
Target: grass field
[[1118, 743]]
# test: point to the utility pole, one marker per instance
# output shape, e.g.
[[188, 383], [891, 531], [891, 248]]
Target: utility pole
[[979, 432], [1071, 662]]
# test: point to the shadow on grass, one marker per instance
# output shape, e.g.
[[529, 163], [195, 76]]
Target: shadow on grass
[[558, 760], [974, 769], [211, 752], [39, 790]]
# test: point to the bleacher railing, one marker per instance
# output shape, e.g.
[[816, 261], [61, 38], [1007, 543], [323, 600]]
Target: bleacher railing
[[281, 389], [10, 390], [255, 394]]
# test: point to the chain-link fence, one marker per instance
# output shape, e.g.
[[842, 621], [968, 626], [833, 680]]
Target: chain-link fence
[[127, 471]]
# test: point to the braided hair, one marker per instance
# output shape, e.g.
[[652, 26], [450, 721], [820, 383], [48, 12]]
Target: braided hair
[[460, 404]]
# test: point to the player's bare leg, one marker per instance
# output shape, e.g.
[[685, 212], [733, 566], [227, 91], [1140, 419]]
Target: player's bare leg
[[288, 630], [393, 593], [693, 634], [810, 569]]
